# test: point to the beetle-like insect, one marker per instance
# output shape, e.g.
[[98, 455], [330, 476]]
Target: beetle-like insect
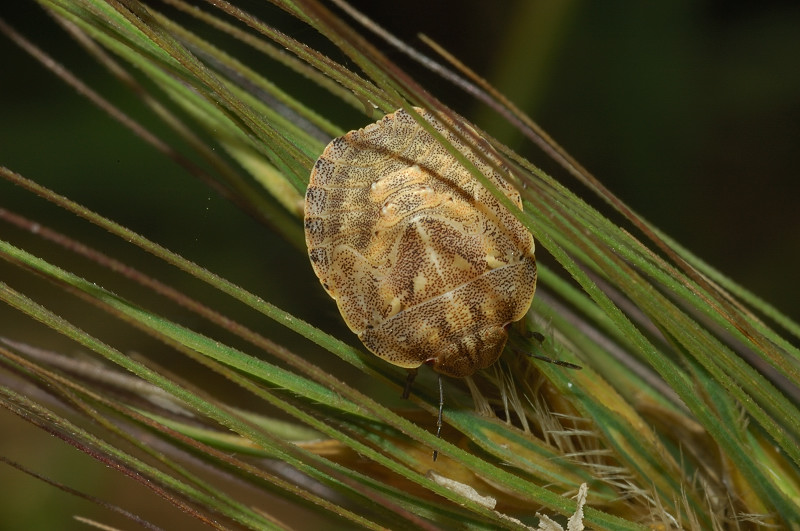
[[425, 265]]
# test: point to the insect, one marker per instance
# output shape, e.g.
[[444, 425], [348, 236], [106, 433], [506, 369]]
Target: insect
[[425, 265]]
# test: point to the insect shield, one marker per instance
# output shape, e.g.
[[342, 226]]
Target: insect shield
[[426, 266]]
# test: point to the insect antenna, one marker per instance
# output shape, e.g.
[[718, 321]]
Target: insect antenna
[[412, 374], [439, 418]]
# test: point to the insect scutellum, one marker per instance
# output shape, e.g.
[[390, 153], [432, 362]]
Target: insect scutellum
[[425, 264]]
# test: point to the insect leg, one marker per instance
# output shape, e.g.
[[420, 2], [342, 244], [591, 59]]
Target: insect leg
[[560, 363], [412, 373]]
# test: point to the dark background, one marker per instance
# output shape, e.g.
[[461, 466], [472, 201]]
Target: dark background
[[687, 110]]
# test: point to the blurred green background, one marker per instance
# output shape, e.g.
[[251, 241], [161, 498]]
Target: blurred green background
[[687, 110]]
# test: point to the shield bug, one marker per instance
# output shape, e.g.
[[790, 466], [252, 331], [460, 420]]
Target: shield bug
[[425, 265]]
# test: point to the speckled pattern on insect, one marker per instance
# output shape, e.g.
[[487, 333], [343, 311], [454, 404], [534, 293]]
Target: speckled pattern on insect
[[426, 266]]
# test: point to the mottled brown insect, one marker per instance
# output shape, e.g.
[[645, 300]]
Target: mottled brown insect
[[426, 266]]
